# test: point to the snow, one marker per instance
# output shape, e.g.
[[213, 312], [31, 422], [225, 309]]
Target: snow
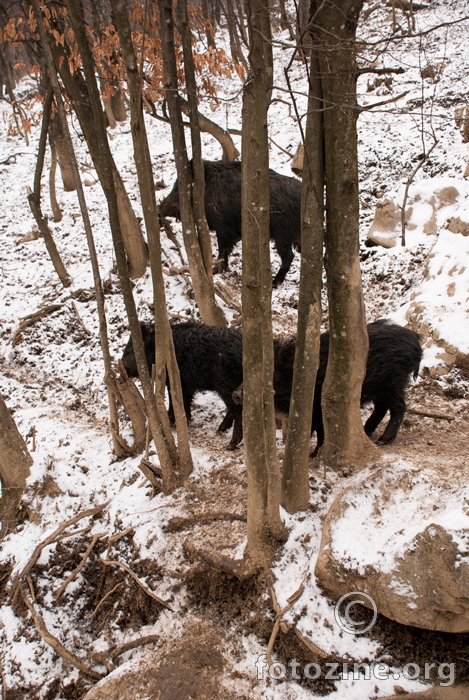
[[53, 378]]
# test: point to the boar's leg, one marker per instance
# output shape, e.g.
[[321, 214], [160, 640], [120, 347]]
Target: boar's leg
[[380, 410], [397, 409], [237, 435], [285, 251]]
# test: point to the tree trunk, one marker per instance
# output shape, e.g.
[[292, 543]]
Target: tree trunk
[[264, 523], [77, 91], [163, 334], [15, 462], [295, 476], [166, 455], [68, 145], [345, 440], [56, 137], [203, 291], [198, 190]]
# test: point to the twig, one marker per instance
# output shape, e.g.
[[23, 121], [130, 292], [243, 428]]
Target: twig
[[279, 613], [177, 524], [80, 566], [75, 532], [408, 184], [223, 292], [364, 108], [113, 562], [109, 593], [52, 641], [88, 332], [51, 538]]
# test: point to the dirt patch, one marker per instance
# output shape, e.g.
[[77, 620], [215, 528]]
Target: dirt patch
[[191, 666]]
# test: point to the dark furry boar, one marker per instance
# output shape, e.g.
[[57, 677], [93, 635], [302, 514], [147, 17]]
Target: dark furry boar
[[223, 211], [394, 355], [210, 358]]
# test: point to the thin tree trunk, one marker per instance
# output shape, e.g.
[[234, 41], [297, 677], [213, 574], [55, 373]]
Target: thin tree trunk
[[203, 291], [166, 455], [295, 476], [61, 116], [78, 92], [345, 440], [56, 211], [15, 462], [264, 523], [34, 198], [163, 334], [198, 190], [57, 137]]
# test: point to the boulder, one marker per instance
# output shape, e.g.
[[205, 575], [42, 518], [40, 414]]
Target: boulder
[[400, 533], [423, 203]]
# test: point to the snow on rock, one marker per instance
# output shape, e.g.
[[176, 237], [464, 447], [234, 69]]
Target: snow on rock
[[417, 572], [439, 308]]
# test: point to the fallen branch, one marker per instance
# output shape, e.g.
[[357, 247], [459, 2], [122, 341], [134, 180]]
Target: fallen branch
[[51, 538], [113, 562], [429, 414], [67, 656], [88, 332], [279, 613], [177, 524], [80, 566], [223, 292], [128, 646], [32, 318]]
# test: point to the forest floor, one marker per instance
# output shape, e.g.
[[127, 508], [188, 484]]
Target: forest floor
[[51, 377]]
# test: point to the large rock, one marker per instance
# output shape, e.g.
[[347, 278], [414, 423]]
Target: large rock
[[424, 204], [401, 534]]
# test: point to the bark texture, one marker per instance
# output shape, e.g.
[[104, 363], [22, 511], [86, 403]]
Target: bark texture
[[295, 476], [264, 524], [203, 289], [15, 462], [335, 34]]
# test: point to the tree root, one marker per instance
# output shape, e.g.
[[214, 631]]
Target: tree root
[[49, 540], [177, 524], [80, 566], [241, 568], [52, 641], [113, 562], [279, 613]]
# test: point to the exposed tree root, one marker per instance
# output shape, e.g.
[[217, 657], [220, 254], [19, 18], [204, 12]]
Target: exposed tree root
[[52, 641], [113, 562], [178, 523]]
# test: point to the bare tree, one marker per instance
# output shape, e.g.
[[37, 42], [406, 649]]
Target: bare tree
[[165, 355], [264, 523], [295, 476], [334, 35], [202, 284]]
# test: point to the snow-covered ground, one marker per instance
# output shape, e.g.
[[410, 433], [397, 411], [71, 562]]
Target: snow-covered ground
[[52, 379]]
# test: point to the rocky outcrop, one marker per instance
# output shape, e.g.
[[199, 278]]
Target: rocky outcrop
[[418, 574]]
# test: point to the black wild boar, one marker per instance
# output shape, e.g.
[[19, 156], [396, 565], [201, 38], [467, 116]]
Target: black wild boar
[[223, 211], [394, 355], [210, 358]]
